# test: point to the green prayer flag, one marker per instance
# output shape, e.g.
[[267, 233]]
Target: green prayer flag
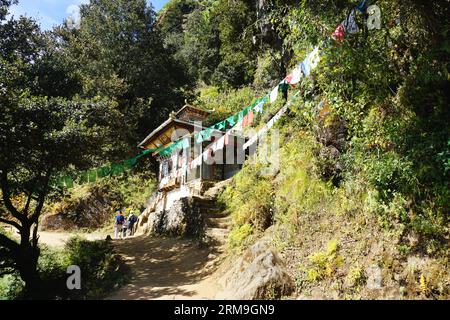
[[231, 121], [84, 177], [134, 160], [68, 181], [240, 116], [284, 87], [199, 137], [129, 163], [104, 172], [165, 152], [116, 169], [92, 175], [179, 144], [207, 134], [186, 143], [221, 125], [148, 151]]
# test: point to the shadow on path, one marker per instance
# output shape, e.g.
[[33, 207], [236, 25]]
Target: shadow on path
[[164, 268]]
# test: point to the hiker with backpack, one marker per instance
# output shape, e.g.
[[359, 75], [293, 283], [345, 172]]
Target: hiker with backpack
[[125, 227], [120, 219], [132, 219]]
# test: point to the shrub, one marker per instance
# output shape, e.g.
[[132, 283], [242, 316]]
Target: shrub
[[299, 190], [239, 235], [11, 287], [356, 276], [250, 199], [325, 263], [102, 270], [224, 103], [101, 267]]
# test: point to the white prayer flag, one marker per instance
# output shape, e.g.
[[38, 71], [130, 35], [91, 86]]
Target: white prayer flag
[[274, 94], [314, 58], [296, 75], [220, 143], [259, 107]]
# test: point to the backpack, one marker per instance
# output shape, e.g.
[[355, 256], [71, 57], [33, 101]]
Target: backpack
[[120, 219]]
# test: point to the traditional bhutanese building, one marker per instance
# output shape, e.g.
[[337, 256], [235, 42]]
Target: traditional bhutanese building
[[176, 170]]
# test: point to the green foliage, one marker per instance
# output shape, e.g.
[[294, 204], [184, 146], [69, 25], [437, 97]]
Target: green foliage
[[238, 56], [387, 87], [224, 103], [266, 71], [444, 158], [4, 7], [213, 39], [389, 174], [43, 134], [250, 199], [356, 276], [129, 191], [93, 206], [300, 191], [11, 287], [102, 270], [119, 53], [324, 263], [239, 236]]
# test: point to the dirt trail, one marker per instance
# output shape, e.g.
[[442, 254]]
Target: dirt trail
[[58, 239], [165, 268], [161, 268]]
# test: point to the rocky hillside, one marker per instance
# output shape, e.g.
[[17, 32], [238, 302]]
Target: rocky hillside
[[358, 206], [92, 206]]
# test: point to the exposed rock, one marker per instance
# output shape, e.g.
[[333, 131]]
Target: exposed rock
[[211, 256], [374, 277], [258, 274], [183, 219], [90, 212]]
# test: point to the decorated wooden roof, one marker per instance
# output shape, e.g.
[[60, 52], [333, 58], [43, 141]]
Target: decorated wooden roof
[[186, 118], [190, 113]]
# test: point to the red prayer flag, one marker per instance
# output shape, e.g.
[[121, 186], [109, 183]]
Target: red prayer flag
[[250, 116], [245, 121], [288, 78], [339, 33]]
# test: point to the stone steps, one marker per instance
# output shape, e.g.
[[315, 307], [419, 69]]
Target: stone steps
[[214, 191], [219, 222], [211, 207], [213, 212], [220, 214], [217, 235], [207, 202]]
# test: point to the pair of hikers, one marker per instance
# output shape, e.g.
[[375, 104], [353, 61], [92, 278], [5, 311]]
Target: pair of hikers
[[122, 225]]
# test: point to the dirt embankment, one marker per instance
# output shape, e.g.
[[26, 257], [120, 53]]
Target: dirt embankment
[[89, 211]]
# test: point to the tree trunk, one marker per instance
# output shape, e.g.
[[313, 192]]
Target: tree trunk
[[27, 263]]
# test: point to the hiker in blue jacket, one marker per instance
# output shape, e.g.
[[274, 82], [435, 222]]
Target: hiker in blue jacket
[[120, 219]]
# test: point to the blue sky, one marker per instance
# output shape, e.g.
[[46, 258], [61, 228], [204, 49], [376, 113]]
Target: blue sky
[[53, 12]]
